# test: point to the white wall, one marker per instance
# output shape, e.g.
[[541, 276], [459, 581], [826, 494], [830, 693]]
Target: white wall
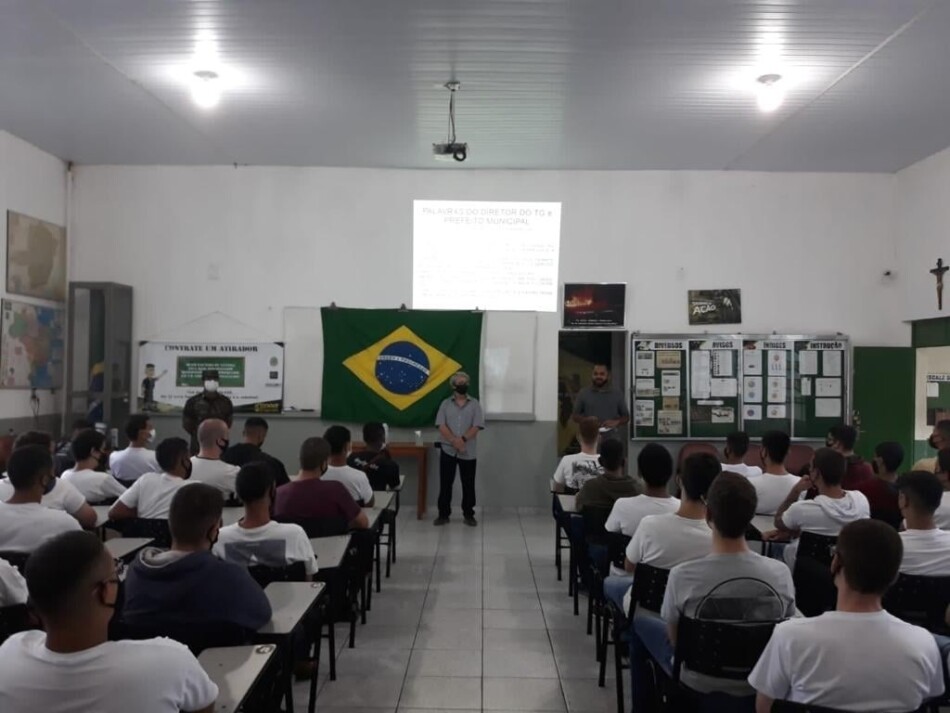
[[31, 182], [807, 250]]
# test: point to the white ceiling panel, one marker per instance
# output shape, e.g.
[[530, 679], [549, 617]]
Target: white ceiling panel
[[616, 84]]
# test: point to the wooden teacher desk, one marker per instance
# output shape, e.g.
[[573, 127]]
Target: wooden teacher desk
[[421, 455]]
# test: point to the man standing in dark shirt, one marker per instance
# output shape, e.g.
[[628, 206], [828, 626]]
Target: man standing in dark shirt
[[206, 404], [374, 460], [604, 402], [255, 433]]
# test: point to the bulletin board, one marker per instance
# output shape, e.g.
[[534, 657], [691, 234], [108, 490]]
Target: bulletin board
[[707, 386]]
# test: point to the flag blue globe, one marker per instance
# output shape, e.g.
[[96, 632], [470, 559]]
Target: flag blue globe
[[402, 368]]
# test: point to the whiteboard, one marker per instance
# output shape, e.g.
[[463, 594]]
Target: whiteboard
[[509, 353]]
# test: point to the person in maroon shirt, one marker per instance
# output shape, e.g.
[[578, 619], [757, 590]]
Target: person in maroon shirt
[[881, 490], [842, 439], [309, 497]]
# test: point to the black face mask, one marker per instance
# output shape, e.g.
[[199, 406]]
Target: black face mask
[[461, 389], [932, 442], [874, 466]]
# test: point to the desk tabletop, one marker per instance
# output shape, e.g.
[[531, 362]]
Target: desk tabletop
[[102, 514], [568, 504], [235, 670], [120, 547], [383, 499], [330, 550], [231, 515], [373, 514], [289, 603], [763, 523]]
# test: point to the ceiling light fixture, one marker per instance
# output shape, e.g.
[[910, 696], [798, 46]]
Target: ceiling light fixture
[[770, 92], [206, 88]]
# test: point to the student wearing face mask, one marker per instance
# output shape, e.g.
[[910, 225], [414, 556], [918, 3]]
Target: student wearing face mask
[[151, 495], [208, 403], [460, 420], [188, 585], [129, 464], [939, 439], [95, 486], [207, 467]]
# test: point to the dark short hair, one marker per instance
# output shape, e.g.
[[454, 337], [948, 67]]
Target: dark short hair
[[589, 430], [254, 481], [27, 465], [923, 490], [373, 432], [149, 366], [655, 465], [699, 471], [194, 510], [255, 422], [611, 454], [844, 434], [601, 363], [738, 442], [314, 452], [776, 445], [209, 374], [62, 569], [731, 503], [33, 438], [87, 441], [337, 437], [169, 452], [943, 460], [136, 422], [870, 551], [891, 454], [831, 464], [943, 427]]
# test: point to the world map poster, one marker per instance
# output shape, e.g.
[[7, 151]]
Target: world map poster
[[31, 346]]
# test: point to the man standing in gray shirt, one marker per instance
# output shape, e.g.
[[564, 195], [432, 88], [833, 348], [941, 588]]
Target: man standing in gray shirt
[[603, 402], [459, 420]]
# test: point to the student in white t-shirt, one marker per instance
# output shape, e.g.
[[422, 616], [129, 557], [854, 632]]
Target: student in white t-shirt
[[774, 483], [150, 496], [136, 460], [859, 657], [655, 466], [832, 508], [737, 445], [577, 468], [72, 667], [207, 467], [94, 485], [12, 585], [24, 522], [355, 481], [256, 539], [926, 548]]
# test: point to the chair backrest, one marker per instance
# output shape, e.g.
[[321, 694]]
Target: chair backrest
[[263, 575], [154, 528], [815, 591], [920, 600], [724, 649], [14, 619], [594, 520], [196, 636], [17, 559], [689, 449], [816, 547], [319, 526], [649, 586], [789, 707]]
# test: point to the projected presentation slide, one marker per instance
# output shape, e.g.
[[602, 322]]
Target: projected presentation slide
[[485, 254]]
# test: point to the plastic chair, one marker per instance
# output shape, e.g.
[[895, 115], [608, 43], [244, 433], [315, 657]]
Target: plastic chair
[[264, 575], [598, 567], [197, 636], [561, 540], [789, 707], [319, 526], [920, 600], [154, 528], [815, 591]]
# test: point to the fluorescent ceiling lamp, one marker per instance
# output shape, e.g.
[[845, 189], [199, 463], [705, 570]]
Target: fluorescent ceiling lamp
[[770, 92], [206, 88]]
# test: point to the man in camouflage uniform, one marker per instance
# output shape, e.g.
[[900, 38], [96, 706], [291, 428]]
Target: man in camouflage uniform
[[206, 404]]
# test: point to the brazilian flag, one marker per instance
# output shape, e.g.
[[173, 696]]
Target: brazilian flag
[[393, 365]]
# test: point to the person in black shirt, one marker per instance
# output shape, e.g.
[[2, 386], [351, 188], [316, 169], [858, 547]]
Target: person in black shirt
[[255, 433], [64, 459], [375, 460]]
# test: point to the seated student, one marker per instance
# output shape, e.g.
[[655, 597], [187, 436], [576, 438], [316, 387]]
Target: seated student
[[859, 657], [207, 467], [256, 539], [664, 541], [374, 460], [310, 496], [832, 508], [577, 468], [842, 438], [942, 469], [24, 522], [187, 584], [136, 460], [772, 487], [62, 495], [254, 434], [355, 481], [737, 445], [938, 440], [926, 548], [655, 466], [732, 584], [603, 491], [94, 485], [63, 458], [12, 585], [881, 490], [72, 667], [151, 494]]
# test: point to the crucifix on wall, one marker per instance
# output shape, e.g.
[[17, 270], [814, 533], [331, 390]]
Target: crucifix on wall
[[938, 273]]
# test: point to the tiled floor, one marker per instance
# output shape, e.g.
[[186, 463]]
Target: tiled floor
[[471, 619]]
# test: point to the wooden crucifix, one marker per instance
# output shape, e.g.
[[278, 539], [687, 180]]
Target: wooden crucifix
[[938, 273]]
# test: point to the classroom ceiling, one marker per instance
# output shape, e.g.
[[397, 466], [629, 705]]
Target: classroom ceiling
[[575, 84]]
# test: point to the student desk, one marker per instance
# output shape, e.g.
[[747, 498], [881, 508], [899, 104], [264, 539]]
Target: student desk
[[388, 501], [376, 522], [122, 547], [102, 514], [229, 516], [763, 523], [290, 604], [330, 552], [568, 503], [235, 670]]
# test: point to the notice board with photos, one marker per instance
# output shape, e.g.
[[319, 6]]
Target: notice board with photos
[[688, 386]]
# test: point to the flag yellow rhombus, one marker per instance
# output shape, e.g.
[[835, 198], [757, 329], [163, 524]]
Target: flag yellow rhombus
[[401, 368]]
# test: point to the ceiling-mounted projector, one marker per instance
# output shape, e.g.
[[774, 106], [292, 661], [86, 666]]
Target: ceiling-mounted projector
[[451, 150]]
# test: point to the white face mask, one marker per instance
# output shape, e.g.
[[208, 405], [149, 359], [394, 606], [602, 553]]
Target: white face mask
[[211, 386], [151, 436]]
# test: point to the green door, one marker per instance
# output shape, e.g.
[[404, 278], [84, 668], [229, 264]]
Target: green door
[[884, 398]]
